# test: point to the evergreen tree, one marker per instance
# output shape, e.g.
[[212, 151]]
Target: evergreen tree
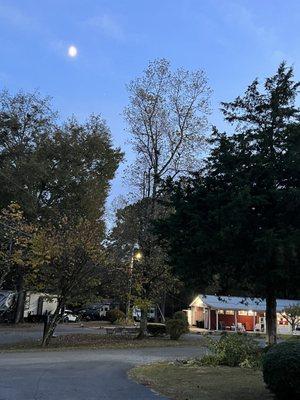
[[238, 217]]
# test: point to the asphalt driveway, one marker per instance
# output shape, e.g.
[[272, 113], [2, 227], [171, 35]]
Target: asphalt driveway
[[81, 374]]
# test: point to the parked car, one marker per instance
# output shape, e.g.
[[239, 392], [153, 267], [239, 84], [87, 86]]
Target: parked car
[[89, 313], [69, 316], [296, 331], [94, 312]]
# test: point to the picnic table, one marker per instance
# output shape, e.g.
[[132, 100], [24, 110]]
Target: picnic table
[[121, 330]]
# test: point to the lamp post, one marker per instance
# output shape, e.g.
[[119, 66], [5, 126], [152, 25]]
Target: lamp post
[[136, 255]]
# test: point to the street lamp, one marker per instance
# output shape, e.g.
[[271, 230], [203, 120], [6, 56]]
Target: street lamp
[[136, 255]]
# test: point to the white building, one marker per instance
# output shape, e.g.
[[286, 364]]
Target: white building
[[236, 313]]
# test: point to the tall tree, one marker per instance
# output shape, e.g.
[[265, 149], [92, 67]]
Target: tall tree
[[167, 117], [53, 170], [269, 125], [238, 216]]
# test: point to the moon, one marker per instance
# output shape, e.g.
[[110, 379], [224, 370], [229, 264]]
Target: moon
[[72, 51]]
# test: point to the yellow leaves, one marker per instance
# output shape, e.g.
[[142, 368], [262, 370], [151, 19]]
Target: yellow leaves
[[143, 304], [15, 239], [67, 240], [12, 213]]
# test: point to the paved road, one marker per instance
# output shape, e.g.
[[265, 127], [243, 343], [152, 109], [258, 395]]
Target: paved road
[[80, 374]]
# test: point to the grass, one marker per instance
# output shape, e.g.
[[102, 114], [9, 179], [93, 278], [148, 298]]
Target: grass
[[185, 382], [96, 341]]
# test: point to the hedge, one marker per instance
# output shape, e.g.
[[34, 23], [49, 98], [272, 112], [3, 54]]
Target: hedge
[[114, 315], [281, 369], [156, 329]]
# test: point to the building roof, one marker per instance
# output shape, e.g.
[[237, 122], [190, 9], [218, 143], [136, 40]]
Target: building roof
[[238, 303]]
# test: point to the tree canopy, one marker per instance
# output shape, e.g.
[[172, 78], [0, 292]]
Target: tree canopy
[[67, 257], [167, 118], [52, 168]]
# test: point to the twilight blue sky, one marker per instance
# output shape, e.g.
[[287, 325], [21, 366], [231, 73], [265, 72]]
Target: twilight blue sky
[[232, 40]]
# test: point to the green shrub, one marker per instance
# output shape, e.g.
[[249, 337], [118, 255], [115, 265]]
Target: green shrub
[[123, 321], [176, 328], [281, 369], [209, 360], [115, 315], [156, 329], [182, 316], [236, 350]]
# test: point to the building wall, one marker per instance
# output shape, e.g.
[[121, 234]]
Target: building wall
[[226, 320], [247, 321], [213, 320], [197, 314]]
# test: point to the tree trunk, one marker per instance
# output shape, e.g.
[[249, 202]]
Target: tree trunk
[[50, 325], [271, 319], [163, 306], [19, 313], [143, 324], [293, 325]]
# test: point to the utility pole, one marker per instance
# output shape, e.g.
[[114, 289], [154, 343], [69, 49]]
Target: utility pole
[[135, 255]]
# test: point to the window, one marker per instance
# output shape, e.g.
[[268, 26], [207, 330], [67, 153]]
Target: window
[[244, 312], [220, 311], [229, 312]]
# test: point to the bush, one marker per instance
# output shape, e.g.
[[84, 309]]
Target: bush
[[209, 360], [156, 329], [115, 315], [176, 328], [182, 316], [281, 369], [236, 350]]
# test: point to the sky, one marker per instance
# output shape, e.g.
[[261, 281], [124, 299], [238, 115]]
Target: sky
[[233, 41]]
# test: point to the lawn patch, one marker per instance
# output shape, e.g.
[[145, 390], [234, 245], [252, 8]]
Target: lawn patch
[[97, 341], [188, 382]]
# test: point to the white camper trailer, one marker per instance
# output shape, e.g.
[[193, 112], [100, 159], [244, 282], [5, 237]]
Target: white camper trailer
[[39, 304], [36, 305]]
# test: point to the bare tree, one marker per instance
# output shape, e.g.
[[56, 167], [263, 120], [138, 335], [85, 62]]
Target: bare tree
[[167, 117]]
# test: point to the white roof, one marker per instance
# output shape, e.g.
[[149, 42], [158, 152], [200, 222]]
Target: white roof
[[238, 303]]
